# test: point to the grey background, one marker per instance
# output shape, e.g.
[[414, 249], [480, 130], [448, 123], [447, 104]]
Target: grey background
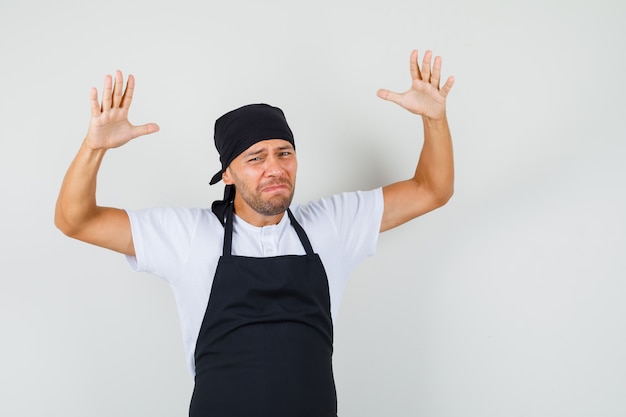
[[506, 302]]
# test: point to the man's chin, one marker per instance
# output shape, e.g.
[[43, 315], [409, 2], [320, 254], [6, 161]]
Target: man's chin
[[276, 205]]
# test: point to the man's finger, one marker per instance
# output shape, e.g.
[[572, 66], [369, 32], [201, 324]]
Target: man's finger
[[389, 95], [93, 99], [414, 68], [435, 77], [447, 86], [128, 94], [107, 91], [426, 66], [118, 88], [144, 129]]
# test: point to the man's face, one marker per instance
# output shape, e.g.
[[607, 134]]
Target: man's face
[[264, 176]]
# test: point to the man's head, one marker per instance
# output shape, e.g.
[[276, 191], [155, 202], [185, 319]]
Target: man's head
[[257, 153], [241, 128]]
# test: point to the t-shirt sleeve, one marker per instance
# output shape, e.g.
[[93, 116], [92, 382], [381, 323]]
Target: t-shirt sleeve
[[162, 238], [356, 218]]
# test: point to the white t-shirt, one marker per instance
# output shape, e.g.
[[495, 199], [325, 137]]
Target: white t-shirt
[[183, 246]]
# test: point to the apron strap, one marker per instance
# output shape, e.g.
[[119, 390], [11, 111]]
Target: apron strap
[[228, 231], [304, 239]]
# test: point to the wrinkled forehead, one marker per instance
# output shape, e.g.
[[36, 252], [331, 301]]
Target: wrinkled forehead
[[268, 145]]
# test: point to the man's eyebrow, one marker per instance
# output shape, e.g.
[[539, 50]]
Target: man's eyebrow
[[264, 149], [256, 152]]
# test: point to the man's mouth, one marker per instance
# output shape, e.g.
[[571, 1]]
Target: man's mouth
[[275, 187]]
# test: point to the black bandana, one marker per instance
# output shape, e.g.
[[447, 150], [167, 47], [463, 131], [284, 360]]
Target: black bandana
[[239, 129]]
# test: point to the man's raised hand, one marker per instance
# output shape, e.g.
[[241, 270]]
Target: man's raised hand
[[109, 126], [424, 97]]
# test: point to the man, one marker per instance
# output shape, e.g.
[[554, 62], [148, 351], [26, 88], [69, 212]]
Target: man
[[256, 279]]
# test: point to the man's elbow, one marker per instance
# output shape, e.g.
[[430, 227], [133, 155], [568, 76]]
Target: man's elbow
[[65, 225], [442, 197]]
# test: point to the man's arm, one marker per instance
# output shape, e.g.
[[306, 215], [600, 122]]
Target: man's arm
[[77, 213], [433, 183]]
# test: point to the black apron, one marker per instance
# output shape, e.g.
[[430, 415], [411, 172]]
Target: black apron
[[265, 345]]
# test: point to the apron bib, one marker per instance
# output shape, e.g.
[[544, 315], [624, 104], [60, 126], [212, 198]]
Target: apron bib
[[265, 345]]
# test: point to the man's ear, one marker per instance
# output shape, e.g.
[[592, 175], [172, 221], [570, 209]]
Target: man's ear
[[226, 177]]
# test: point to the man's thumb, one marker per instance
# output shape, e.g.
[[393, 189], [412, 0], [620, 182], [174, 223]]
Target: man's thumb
[[388, 95]]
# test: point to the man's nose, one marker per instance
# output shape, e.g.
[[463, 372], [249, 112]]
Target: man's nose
[[273, 167]]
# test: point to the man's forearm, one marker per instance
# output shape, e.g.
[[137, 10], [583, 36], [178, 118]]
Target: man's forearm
[[435, 168], [76, 203]]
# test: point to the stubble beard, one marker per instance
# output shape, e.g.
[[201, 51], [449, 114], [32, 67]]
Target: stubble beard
[[268, 207]]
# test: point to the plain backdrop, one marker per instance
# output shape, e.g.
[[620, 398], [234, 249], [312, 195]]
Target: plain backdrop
[[508, 301]]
